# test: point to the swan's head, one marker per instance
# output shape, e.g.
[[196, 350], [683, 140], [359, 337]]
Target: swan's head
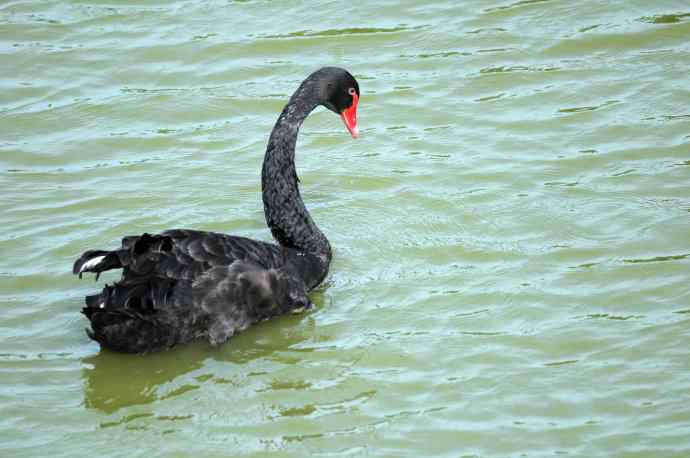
[[340, 94]]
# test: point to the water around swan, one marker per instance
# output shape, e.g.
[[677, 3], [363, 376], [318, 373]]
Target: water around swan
[[512, 260]]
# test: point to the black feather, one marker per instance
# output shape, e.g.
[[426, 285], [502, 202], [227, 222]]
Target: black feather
[[182, 285]]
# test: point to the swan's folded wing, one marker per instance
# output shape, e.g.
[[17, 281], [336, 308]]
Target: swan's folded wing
[[186, 254]]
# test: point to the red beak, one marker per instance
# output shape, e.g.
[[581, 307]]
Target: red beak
[[349, 116]]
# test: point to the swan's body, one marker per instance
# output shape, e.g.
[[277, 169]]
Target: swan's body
[[182, 285]]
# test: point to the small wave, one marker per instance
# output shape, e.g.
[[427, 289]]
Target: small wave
[[341, 32], [665, 18]]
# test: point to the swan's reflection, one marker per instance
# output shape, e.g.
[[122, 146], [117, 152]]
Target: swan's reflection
[[116, 380]]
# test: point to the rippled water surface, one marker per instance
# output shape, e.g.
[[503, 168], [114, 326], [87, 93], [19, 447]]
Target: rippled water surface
[[511, 231]]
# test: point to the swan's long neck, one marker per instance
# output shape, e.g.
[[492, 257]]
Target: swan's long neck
[[286, 215]]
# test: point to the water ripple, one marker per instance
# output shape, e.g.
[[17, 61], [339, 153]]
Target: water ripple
[[510, 227]]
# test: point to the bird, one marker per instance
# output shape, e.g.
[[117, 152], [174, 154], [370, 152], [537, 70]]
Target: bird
[[183, 284]]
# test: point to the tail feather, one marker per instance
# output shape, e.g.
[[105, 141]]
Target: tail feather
[[131, 315], [140, 253], [140, 313], [96, 261]]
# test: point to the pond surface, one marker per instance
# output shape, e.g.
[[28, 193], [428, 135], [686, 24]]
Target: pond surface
[[511, 231]]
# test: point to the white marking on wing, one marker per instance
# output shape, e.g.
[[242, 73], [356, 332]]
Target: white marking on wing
[[91, 263]]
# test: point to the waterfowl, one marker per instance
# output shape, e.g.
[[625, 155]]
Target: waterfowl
[[184, 284]]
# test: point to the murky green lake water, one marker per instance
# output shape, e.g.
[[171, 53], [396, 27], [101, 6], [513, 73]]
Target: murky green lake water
[[511, 231]]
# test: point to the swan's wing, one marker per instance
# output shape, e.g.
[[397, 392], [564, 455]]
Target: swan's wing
[[190, 253], [242, 293], [178, 254], [155, 304]]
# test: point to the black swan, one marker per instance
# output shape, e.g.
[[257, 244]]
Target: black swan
[[184, 284]]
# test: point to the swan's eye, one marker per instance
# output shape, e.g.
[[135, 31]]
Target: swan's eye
[[351, 91]]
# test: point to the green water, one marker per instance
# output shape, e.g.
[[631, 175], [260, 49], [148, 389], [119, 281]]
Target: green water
[[511, 231]]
